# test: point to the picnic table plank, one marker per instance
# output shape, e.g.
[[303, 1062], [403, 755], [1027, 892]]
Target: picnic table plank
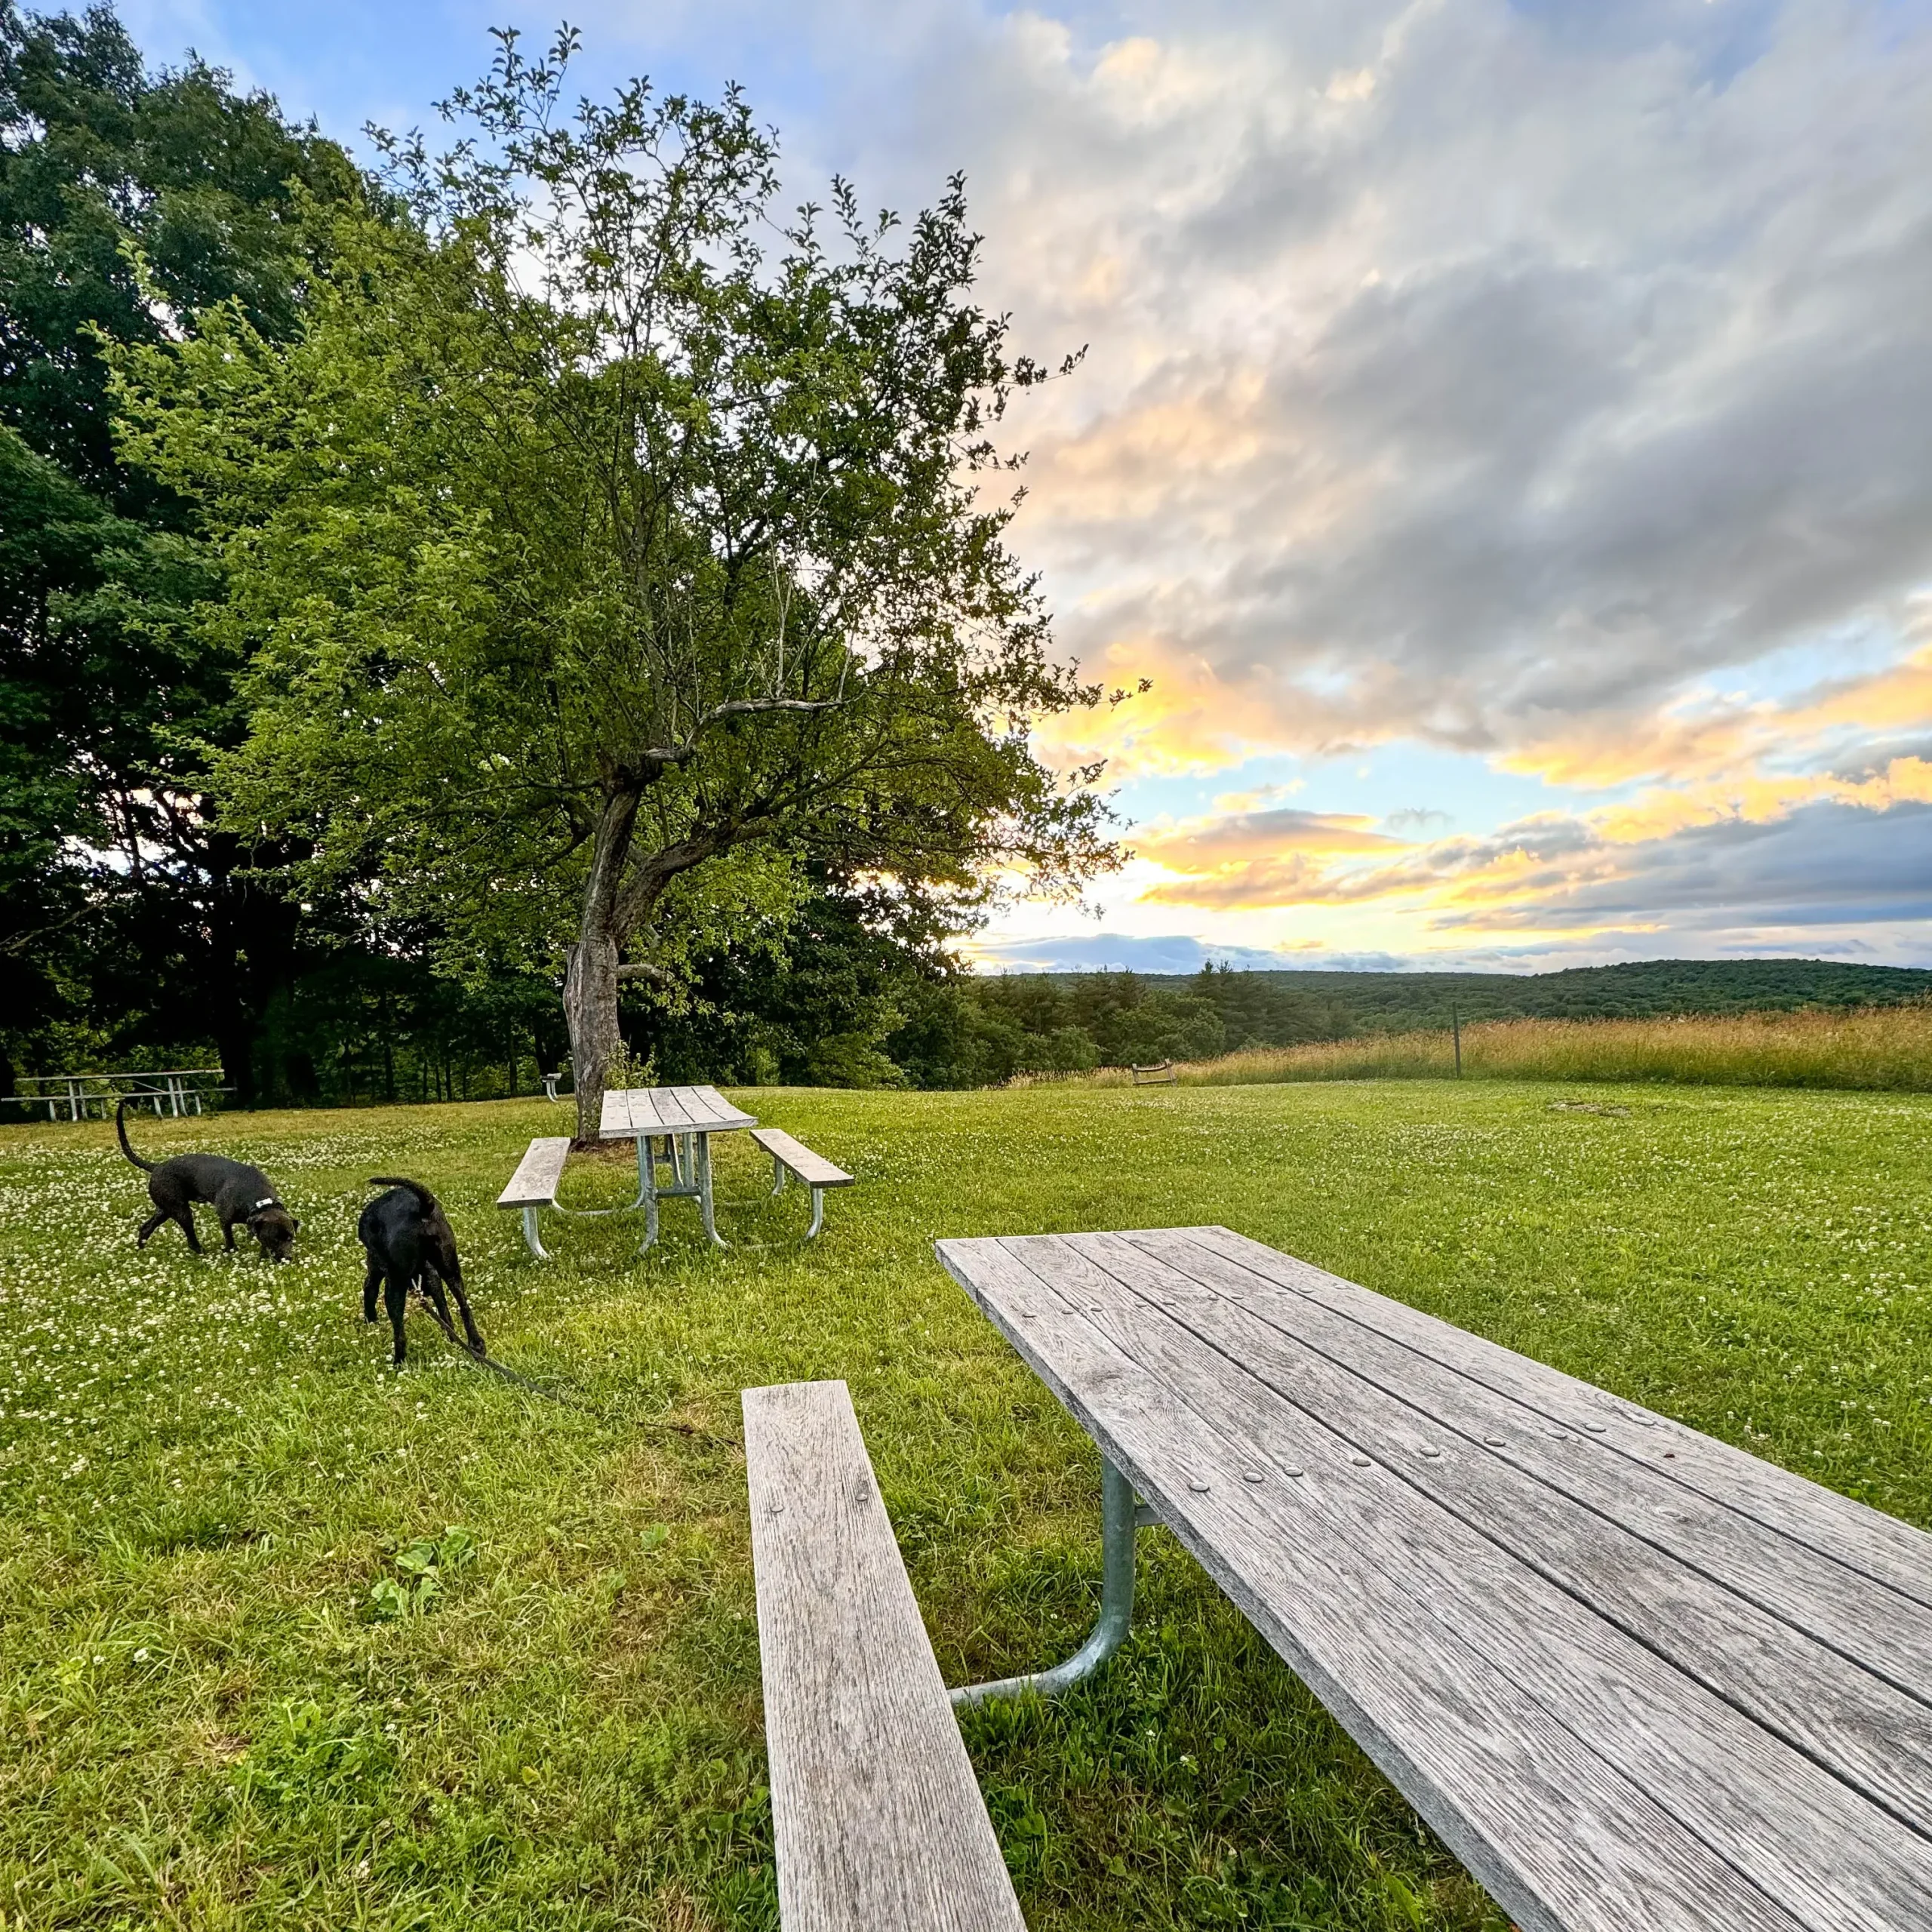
[[1326, 1563], [630, 1113], [1884, 1631], [879, 1820], [1851, 1533], [1876, 1738], [724, 1111]]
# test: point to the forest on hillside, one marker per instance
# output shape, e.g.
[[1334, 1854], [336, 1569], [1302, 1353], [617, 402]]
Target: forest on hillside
[[1642, 989]]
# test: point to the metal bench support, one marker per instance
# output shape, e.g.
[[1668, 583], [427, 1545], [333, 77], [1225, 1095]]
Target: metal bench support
[[529, 1234], [781, 1173], [1121, 1516]]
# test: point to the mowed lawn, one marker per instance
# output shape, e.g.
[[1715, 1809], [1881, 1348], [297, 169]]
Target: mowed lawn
[[287, 1639]]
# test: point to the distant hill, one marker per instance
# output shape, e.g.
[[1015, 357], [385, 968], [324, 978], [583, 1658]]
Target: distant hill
[[1379, 1002]]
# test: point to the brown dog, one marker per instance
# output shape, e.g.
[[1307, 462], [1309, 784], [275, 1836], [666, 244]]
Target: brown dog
[[235, 1190]]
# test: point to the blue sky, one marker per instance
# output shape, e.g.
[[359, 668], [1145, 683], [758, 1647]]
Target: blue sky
[[1505, 441]]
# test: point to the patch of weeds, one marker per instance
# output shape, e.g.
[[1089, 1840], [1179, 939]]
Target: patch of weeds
[[423, 1568]]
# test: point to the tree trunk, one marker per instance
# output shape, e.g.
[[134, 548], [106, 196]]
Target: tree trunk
[[590, 1005], [590, 980]]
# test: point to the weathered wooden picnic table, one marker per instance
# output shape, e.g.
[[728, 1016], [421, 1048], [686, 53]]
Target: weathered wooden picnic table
[[176, 1090], [1633, 1677], [685, 1118]]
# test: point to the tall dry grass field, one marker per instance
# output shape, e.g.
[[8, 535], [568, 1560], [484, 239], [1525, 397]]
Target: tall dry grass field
[[1879, 1047]]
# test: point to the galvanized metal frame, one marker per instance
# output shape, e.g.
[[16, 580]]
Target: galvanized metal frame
[[781, 1173], [1121, 1516], [688, 1156], [536, 1247]]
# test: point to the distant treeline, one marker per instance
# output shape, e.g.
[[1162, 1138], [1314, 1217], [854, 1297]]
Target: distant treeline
[[851, 1006], [1650, 988]]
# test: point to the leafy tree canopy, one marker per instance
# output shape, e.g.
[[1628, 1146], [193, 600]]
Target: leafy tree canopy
[[129, 201], [609, 555], [96, 155]]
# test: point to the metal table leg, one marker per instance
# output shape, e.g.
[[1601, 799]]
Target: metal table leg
[[704, 1189], [646, 1180], [1120, 1516]]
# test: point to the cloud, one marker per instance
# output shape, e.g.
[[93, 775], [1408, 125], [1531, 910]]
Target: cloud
[[1207, 842], [1828, 866], [1542, 381], [1173, 952], [1830, 850], [1461, 373]]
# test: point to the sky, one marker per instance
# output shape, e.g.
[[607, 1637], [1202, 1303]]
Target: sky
[[1505, 438]]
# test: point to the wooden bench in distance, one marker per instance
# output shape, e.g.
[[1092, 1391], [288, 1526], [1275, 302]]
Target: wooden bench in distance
[[794, 1157], [1161, 1074], [879, 1820], [535, 1182]]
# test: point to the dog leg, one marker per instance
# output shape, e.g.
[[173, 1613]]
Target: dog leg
[[431, 1285], [186, 1217], [436, 1284], [149, 1226], [370, 1284], [395, 1295], [227, 1234], [470, 1329]]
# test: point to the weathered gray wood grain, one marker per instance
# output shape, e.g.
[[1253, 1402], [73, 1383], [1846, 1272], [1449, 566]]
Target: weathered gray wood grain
[[814, 1169], [879, 1820], [1328, 1567], [631, 1112], [1843, 1606], [1873, 1736], [1853, 1534], [534, 1183], [1757, 1802], [719, 1113]]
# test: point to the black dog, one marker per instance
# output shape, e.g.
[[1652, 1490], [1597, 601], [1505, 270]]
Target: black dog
[[235, 1190], [410, 1245]]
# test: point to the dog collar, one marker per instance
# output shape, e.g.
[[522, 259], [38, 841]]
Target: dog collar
[[270, 1201]]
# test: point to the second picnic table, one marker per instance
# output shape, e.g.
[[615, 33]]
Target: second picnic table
[[685, 1118]]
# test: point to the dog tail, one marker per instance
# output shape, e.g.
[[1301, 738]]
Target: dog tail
[[430, 1205], [120, 1128]]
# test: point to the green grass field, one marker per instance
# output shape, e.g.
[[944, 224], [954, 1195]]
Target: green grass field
[[249, 1676]]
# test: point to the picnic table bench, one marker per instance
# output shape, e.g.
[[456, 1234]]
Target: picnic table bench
[[793, 1158], [879, 1824], [683, 1118], [534, 1185], [1634, 1678]]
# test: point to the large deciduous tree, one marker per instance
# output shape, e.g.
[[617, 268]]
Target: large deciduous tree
[[128, 201], [611, 557]]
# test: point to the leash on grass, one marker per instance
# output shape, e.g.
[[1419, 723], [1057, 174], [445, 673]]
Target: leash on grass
[[484, 1360]]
